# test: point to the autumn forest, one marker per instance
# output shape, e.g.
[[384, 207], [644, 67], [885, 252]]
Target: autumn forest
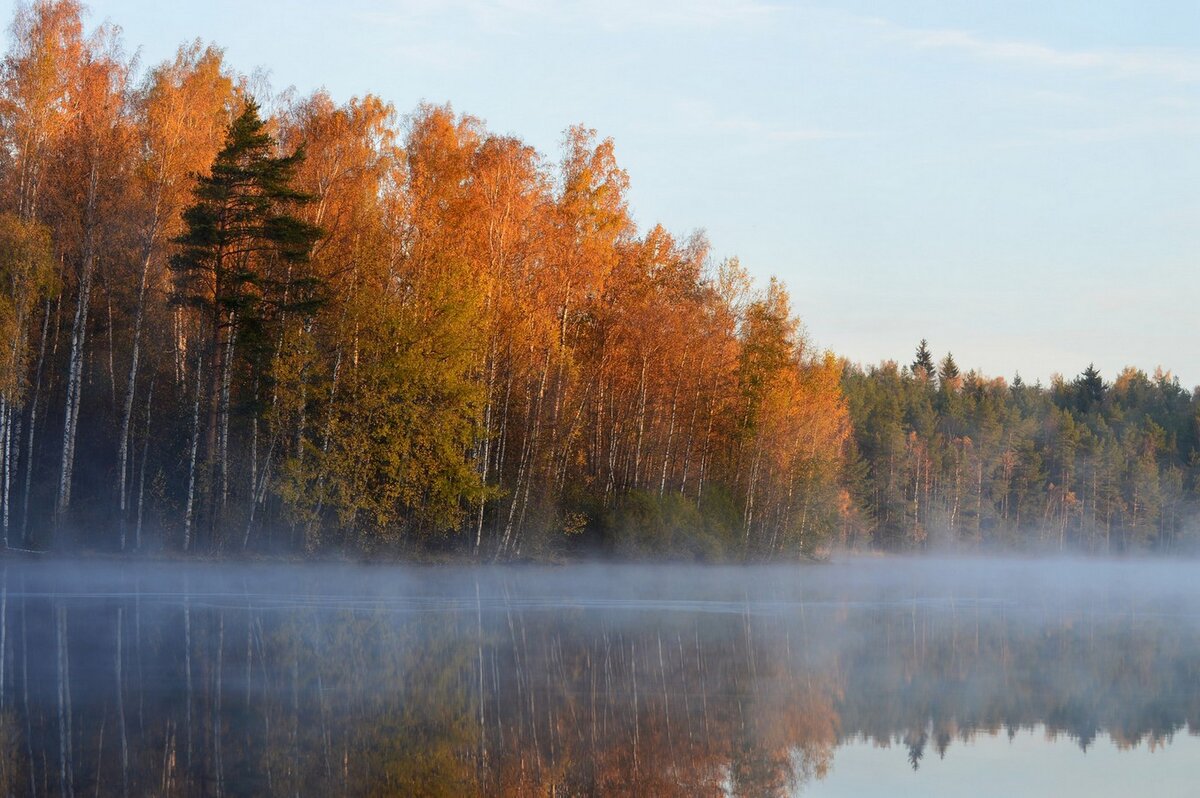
[[245, 321]]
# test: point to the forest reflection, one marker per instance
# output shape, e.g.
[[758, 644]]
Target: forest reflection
[[268, 680]]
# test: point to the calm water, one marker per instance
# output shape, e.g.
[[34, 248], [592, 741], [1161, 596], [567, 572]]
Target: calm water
[[866, 677]]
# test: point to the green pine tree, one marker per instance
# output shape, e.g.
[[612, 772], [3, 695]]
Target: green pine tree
[[240, 226], [923, 363], [948, 372], [1089, 388]]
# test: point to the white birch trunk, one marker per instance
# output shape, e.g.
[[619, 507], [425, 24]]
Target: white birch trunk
[[130, 388], [6, 442], [33, 408], [191, 491], [78, 341], [137, 529]]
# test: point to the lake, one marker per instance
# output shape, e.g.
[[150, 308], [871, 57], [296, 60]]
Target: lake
[[866, 676]]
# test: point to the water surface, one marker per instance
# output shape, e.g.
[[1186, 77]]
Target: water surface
[[868, 676]]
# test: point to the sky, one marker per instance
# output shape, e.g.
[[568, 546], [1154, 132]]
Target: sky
[[1017, 182], [1032, 761]]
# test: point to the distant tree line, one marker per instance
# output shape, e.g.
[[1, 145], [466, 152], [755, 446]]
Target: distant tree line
[[309, 325], [939, 457]]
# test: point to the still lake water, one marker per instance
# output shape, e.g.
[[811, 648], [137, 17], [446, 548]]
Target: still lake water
[[863, 677]]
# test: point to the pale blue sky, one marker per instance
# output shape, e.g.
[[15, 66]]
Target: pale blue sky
[[1018, 182], [1031, 762]]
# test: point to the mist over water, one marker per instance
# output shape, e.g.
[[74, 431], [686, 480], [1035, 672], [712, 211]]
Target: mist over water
[[932, 676]]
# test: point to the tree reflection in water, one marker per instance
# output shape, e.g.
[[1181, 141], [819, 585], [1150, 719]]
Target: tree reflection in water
[[185, 680]]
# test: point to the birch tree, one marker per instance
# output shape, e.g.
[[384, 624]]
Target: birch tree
[[27, 275], [96, 152], [182, 113]]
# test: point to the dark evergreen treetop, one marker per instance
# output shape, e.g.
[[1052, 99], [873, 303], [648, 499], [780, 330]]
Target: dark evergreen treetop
[[949, 369], [1089, 388], [241, 221], [923, 363]]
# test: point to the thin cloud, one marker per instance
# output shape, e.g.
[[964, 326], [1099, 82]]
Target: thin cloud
[[438, 55], [605, 14], [704, 116], [1100, 134], [1177, 65], [1150, 128], [677, 13]]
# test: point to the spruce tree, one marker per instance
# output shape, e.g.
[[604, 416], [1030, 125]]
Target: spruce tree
[[923, 364], [1089, 388], [948, 372], [240, 222]]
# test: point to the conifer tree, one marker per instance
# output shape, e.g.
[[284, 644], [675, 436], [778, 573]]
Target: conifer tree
[[948, 372], [923, 363], [1089, 388], [237, 262]]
